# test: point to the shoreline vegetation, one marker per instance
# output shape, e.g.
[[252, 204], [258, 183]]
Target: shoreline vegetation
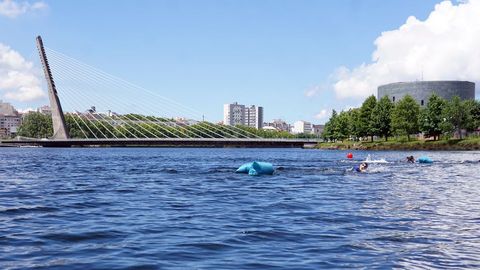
[[468, 144], [405, 125], [38, 125]]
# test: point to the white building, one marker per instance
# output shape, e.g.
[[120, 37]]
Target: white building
[[254, 116], [302, 127], [45, 110], [10, 119], [237, 114], [270, 128], [279, 125]]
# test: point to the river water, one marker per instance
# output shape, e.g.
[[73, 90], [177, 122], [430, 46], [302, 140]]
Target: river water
[[153, 208]]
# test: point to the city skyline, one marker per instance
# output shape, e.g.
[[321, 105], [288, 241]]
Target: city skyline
[[299, 60]]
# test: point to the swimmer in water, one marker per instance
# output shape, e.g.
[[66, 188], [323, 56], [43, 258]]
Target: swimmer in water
[[362, 168], [410, 159]]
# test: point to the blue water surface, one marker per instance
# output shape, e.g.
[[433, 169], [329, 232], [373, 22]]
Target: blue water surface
[[154, 208]]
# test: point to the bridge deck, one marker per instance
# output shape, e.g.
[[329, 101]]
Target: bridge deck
[[164, 142]]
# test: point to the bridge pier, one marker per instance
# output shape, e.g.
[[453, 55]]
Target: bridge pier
[[58, 119]]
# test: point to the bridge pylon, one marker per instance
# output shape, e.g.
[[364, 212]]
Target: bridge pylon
[[58, 119]]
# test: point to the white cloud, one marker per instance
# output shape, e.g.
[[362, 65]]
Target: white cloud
[[27, 110], [322, 115], [312, 91], [349, 107], [19, 80], [445, 46], [13, 9]]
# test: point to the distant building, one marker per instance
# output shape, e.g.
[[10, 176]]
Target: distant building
[[7, 109], [279, 125], [422, 90], [9, 124], [302, 127], [182, 121], [10, 119], [233, 114], [237, 114], [254, 116], [45, 110], [317, 130], [269, 128]]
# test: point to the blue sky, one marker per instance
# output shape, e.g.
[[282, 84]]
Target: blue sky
[[207, 53]]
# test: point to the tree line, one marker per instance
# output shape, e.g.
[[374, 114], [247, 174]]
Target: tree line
[[38, 125], [384, 118]]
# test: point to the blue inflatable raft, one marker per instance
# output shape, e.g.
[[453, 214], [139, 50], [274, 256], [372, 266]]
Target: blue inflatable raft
[[424, 160], [256, 168]]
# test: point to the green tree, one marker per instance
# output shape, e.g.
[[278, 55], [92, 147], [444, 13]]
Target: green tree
[[36, 125], [473, 114], [247, 131], [382, 118], [341, 126], [74, 125], [330, 127], [354, 123], [327, 132], [431, 117], [405, 117], [456, 116], [366, 117]]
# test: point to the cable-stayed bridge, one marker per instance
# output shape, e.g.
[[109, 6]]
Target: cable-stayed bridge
[[91, 107]]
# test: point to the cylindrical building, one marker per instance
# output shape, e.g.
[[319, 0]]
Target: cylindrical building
[[422, 90]]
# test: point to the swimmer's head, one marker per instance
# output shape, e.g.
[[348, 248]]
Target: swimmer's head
[[363, 166]]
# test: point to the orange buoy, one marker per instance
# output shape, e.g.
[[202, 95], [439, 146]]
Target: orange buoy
[[349, 155]]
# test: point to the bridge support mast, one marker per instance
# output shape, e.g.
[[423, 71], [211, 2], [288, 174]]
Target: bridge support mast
[[59, 127]]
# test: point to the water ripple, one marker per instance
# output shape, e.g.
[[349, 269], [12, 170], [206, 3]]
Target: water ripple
[[147, 208]]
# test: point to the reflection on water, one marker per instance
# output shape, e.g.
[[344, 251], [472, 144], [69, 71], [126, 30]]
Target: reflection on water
[[186, 208]]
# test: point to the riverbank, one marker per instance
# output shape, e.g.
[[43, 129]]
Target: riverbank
[[441, 145]]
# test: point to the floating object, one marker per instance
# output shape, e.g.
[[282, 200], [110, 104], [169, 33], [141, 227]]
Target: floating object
[[424, 159], [349, 155], [253, 172], [256, 168]]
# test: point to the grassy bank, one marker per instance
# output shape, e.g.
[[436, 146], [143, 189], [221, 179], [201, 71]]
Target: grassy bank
[[465, 144]]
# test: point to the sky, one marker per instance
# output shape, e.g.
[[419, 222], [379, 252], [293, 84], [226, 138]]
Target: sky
[[299, 59]]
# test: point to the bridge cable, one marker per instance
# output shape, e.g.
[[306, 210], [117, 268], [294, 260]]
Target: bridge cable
[[157, 123], [89, 120], [117, 80]]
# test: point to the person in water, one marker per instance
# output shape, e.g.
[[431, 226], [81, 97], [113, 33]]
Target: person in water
[[411, 159], [362, 168]]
